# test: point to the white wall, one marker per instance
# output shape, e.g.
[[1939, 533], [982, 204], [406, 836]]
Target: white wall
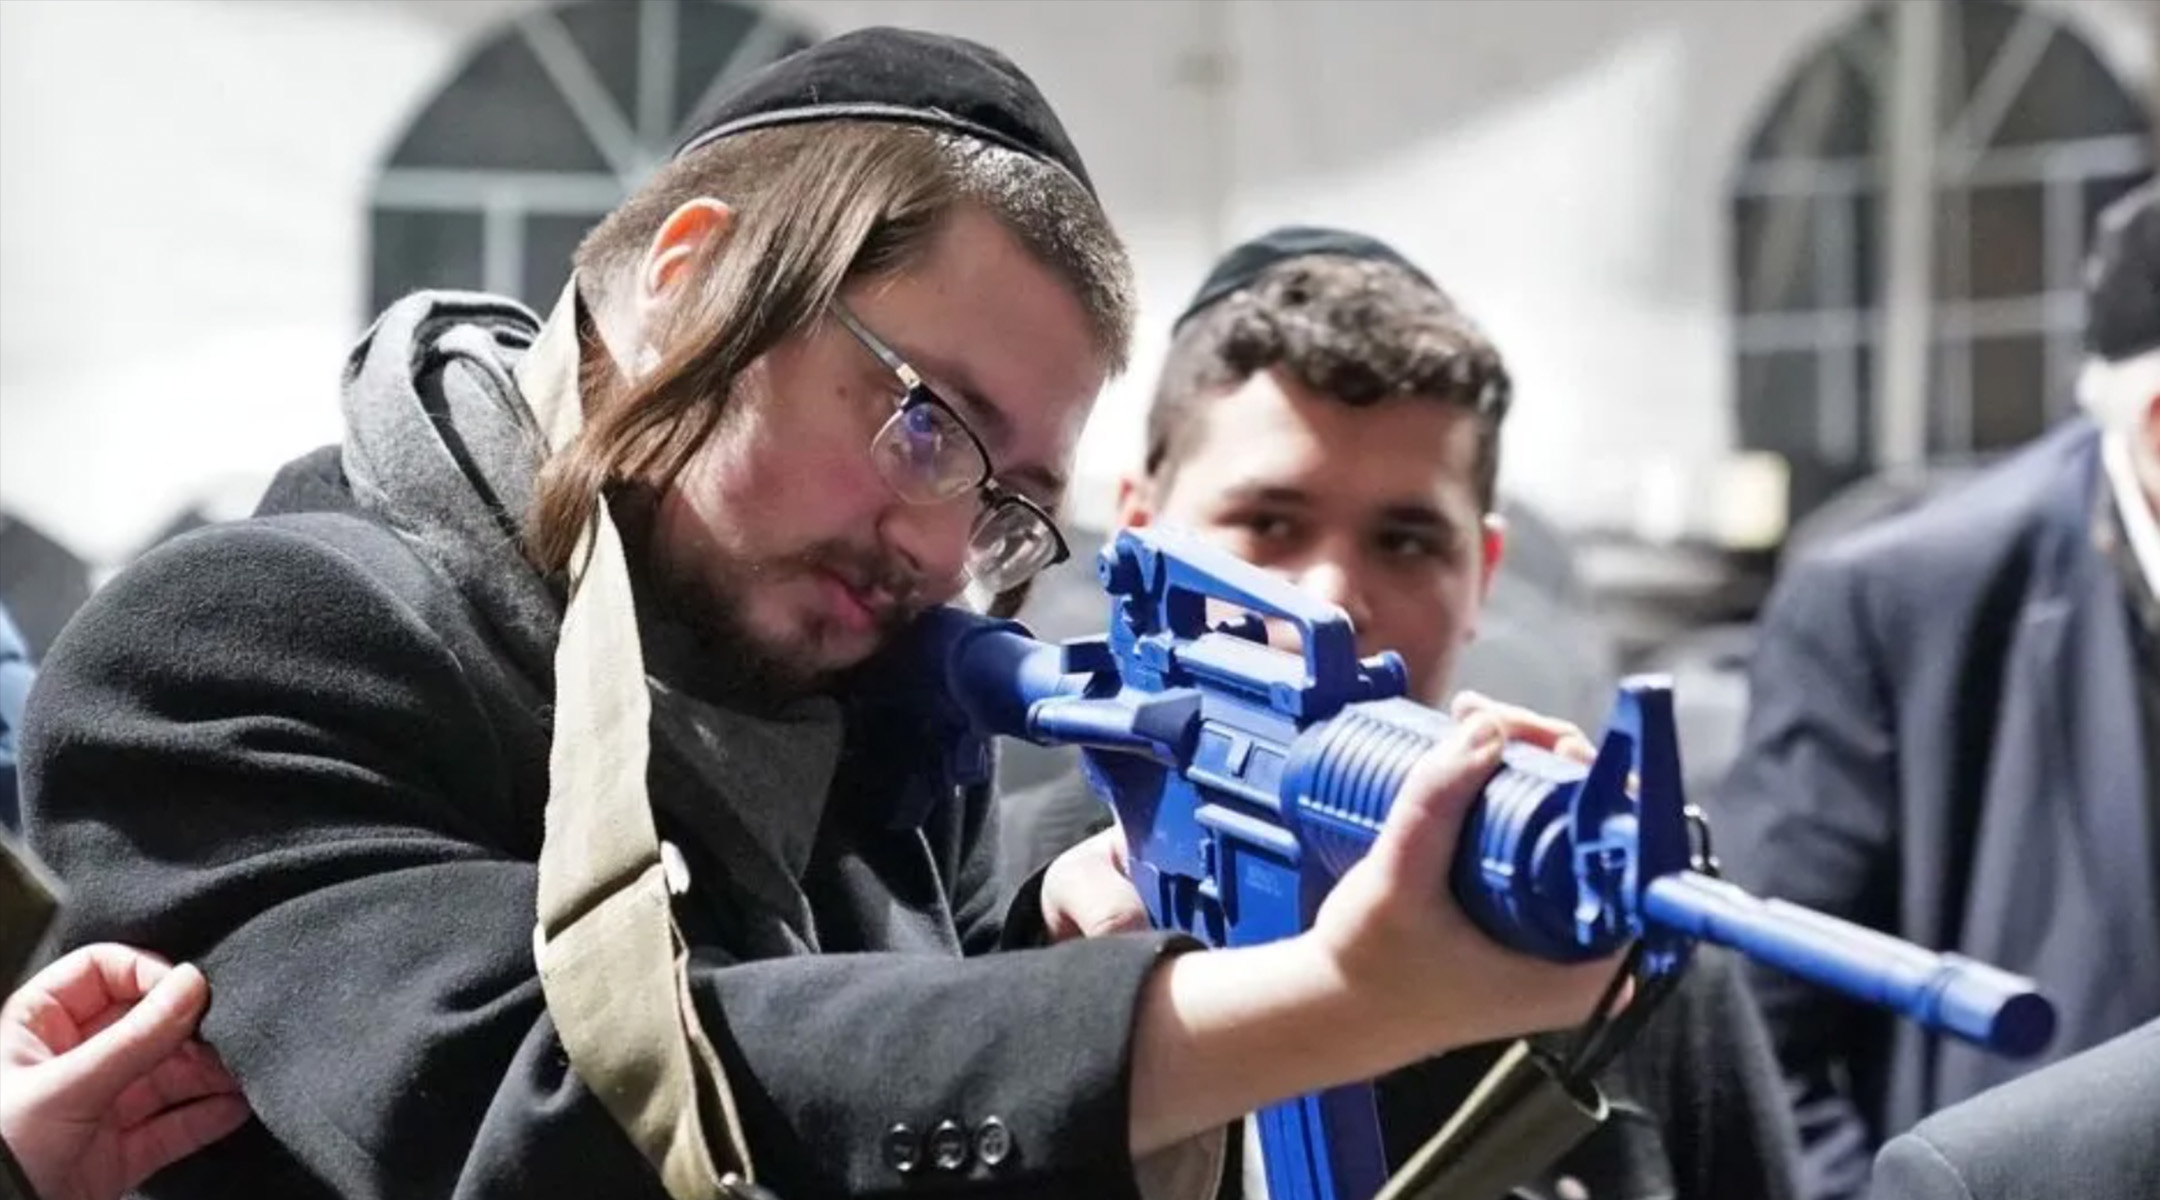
[[182, 204], [182, 194]]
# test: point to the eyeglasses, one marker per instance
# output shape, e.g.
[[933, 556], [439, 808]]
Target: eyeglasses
[[929, 455]]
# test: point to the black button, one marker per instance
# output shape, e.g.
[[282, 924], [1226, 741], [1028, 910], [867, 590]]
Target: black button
[[993, 1142], [903, 1150], [948, 1146]]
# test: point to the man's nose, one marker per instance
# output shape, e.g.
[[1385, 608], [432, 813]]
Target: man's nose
[[1330, 580], [932, 539]]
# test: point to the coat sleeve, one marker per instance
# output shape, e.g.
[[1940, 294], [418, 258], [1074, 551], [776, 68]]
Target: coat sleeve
[[2080, 1127], [255, 751], [1809, 815], [1911, 1168]]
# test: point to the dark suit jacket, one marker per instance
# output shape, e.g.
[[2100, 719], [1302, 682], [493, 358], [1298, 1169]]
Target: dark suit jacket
[[291, 750], [1697, 1110], [1944, 742], [2087, 1127]]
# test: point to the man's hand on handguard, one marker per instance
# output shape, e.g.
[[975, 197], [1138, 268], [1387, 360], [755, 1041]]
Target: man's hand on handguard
[[1391, 926], [1088, 892]]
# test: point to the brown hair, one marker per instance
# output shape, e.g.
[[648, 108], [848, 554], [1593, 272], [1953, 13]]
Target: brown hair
[[1354, 329], [816, 206]]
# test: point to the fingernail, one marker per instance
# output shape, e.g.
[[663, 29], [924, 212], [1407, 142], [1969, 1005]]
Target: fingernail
[[185, 987]]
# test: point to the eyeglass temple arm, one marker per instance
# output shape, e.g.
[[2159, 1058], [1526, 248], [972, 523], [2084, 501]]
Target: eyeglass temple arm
[[874, 345]]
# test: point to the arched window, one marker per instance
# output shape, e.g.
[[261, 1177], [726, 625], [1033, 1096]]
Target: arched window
[[543, 130], [2034, 136]]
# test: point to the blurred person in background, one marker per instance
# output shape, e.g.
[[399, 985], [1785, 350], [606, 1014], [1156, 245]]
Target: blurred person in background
[[1326, 411], [15, 676], [1952, 733]]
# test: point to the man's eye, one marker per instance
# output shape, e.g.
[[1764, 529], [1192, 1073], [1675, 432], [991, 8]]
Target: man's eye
[[1267, 526], [1412, 546]]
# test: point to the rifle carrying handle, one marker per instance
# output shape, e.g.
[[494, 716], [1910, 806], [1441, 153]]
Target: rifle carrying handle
[[1172, 574]]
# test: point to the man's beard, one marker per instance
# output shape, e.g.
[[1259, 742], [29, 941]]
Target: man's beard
[[709, 648]]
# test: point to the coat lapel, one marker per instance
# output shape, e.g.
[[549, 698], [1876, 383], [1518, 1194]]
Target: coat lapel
[[2093, 677]]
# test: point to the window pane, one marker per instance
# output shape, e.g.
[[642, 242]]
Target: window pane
[[607, 35], [1843, 411], [2070, 95], [1827, 110], [1778, 401], [2007, 233], [1974, 32], [1774, 254], [1866, 258], [417, 250], [501, 113], [549, 243], [1864, 361], [1950, 265], [2009, 388], [1949, 415], [2065, 356], [1834, 252]]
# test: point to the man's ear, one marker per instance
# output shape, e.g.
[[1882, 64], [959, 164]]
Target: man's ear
[[1135, 501], [2145, 451], [676, 244], [1492, 535], [1492, 546]]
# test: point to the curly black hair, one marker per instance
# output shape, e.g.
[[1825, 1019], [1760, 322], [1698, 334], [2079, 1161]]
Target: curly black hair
[[1354, 329]]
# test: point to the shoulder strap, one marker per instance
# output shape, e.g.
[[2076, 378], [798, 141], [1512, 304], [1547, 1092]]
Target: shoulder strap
[[1520, 1120], [612, 962]]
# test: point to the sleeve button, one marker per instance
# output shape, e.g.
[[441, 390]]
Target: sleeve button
[[948, 1146], [993, 1142], [903, 1150]]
